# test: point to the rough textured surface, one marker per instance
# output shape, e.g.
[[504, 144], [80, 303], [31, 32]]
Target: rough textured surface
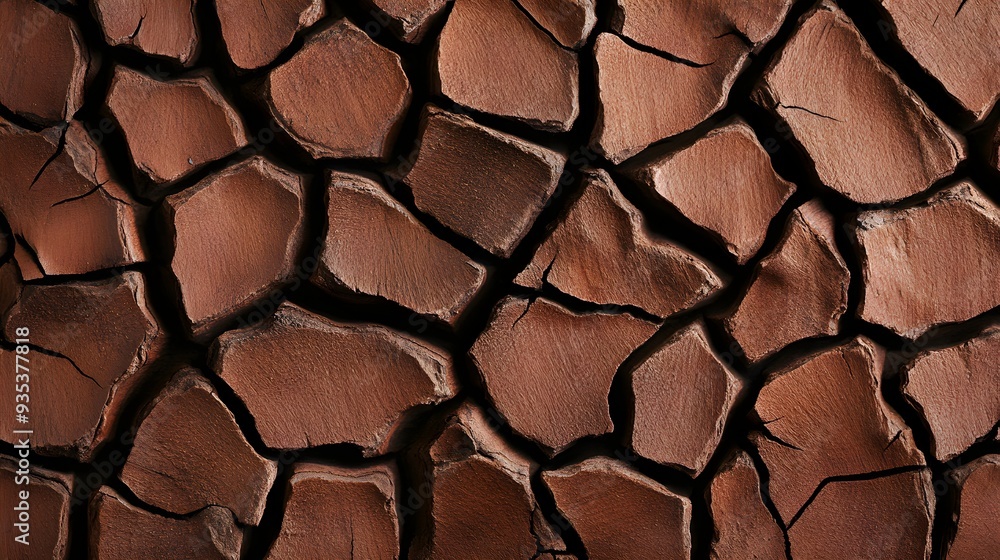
[[256, 33], [408, 19], [48, 509], [164, 28], [569, 21], [979, 506], [744, 527]]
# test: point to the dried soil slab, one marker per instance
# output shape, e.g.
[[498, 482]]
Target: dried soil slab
[[724, 183], [569, 21], [375, 247], [603, 253], [236, 237], [334, 512], [256, 33], [840, 100], [931, 264], [960, 47], [190, 454], [744, 528], [620, 513], [549, 370], [899, 507], [173, 128], [492, 58], [356, 384], [408, 19], [48, 509], [166, 28], [978, 510], [121, 531], [957, 392], [683, 394], [67, 214], [341, 96], [798, 292], [831, 420], [99, 338], [10, 285], [34, 37], [483, 184]]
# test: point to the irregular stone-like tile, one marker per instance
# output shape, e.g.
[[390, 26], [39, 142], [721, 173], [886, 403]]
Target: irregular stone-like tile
[[121, 531], [341, 96], [798, 292], [931, 264], [66, 212], [901, 506], [46, 530], [164, 28], [549, 370], [978, 510], [381, 376], [375, 247], [103, 335], [569, 21], [492, 58], [173, 128], [724, 183], [602, 253], [334, 512], [189, 454], [408, 19], [620, 513], [744, 528], [483, 505], [481, 183], [831, 420], [840, 100], [43, 60], [683, 394], [957, 43], [236, 237], [957, 392], [256, 33]]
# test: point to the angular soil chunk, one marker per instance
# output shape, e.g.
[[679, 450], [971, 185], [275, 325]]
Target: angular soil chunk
[[960, 47], [957, 392], [119, 530], [256, 33], [724, 183], [569, 21], [43, 60], [978, 510], [380, 377], [164, 28], [620, 513], [236, 237], [333, 512], [932, 264], [408, 19], [173, 128], [744, 528], [375, 247], [900, 506], [481, 183], [602, 253], [798, 292], [549, 370], [492, 58], [67, 214], [826, 417], [97, 338], [840, 100], [189, 454], [47, 509], [683, 394], [341, 96], [483, 505]]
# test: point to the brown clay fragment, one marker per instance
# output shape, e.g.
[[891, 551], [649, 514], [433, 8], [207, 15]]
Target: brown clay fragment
[[978, 509], [335, 512], [482, 184], [10, 285], [48, 508], [549, 370], [840, 100], [190, 454], [375, 247], [121, 531], [408, 19], [380, 378], [744, 528], [255, 33], [931, 264], [620, 513], [166, 28], [798, 292], [569, 21]]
